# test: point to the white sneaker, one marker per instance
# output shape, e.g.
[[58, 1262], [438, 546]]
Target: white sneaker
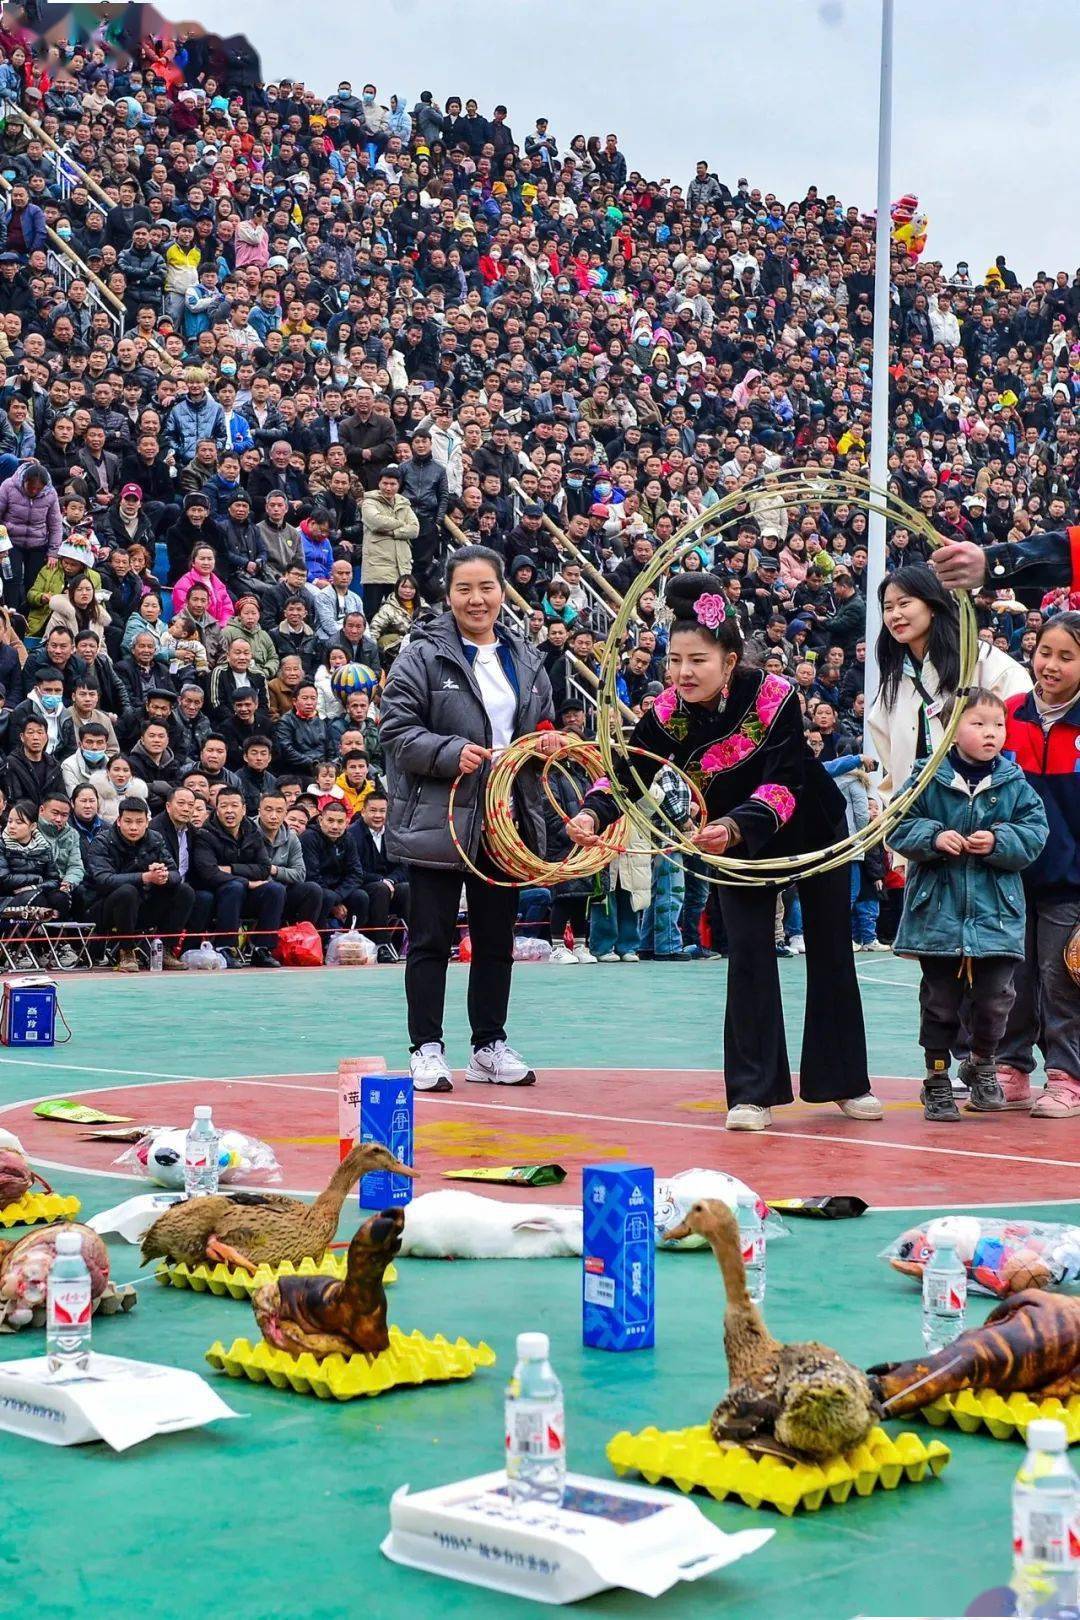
[[748, 1117], [429, 1068], [609, 956], [66, 957], [865, 1107], [877, 945], [499, 1065], [562, 955], [631, 956], [798, 945], [583, 954]]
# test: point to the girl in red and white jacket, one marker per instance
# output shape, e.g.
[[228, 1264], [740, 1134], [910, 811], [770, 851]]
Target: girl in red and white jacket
[[1043, 736]]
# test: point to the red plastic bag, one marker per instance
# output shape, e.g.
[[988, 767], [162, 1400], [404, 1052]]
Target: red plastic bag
[[464, 949], [299, 945]]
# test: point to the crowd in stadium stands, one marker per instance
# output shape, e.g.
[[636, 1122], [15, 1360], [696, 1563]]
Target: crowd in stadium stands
[[339, 320]]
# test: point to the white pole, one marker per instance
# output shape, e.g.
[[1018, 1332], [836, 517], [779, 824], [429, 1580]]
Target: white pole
[[879, 413]]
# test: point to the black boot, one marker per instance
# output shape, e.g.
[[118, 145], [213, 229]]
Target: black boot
[[939, 1104], [985, 1093]]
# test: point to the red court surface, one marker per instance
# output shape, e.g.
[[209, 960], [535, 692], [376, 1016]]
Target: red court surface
[[670, 1119]]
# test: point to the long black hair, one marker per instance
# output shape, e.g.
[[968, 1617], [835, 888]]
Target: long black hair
[[943, 647], [683, 592]]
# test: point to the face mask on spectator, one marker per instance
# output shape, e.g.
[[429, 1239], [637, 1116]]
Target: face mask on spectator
[[50, 702], [93, 756]]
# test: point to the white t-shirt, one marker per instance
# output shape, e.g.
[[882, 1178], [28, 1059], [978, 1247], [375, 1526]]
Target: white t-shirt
[[499, 697]]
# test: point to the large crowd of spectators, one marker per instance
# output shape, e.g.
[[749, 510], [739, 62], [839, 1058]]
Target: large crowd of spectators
[[337, 321]]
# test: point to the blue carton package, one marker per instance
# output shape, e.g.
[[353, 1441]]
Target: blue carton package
[[28, 1012], [386, 1116], [618, 1284]]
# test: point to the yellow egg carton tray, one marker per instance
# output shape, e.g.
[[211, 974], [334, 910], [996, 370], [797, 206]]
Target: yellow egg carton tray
[[240, 1284], [34, 1208], [692, 1460], [411, 1359], [1006, 1417]]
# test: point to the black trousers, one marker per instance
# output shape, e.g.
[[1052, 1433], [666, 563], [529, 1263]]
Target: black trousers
[[433, 907], [303, 903], [144, 909], [385, 909], [570, 909], [355, 902], [955, 1015], [833, 1062]]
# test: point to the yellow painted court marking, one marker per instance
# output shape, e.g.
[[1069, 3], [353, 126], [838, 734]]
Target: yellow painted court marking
[[452, 1139]]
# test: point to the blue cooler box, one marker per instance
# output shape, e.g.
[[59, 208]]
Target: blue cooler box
[[28, 1012], [619, 1251], [386, 1116]]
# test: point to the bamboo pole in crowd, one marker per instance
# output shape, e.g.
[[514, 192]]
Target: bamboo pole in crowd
[[580, 669], [66, 251], [564, 543], [73, 164]]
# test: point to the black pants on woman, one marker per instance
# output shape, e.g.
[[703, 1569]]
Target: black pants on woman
[[833, 1064], [433, 908]]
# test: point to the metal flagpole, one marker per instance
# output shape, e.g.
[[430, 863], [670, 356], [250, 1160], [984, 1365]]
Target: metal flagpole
[[879, 411]]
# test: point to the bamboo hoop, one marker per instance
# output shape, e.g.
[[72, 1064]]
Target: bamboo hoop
[[782, 870]]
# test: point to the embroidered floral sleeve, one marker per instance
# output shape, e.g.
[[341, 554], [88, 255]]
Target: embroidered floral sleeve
[[665, 705], [779, 800]]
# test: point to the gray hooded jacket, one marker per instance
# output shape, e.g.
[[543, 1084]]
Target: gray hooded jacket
[[431, 708]]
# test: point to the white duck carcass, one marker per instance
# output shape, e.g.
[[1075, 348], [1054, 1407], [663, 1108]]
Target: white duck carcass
[[466, 1226]]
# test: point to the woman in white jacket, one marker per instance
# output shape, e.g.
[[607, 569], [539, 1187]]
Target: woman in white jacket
[[919, 660]]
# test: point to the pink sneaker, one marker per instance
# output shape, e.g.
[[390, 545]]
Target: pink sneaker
[[1061, 1099], [1015, 1086]]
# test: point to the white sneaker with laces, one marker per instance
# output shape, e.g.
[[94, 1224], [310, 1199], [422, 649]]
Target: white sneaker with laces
[[429, 1068], [562, 955], [631, 956], [748, 1117], [583, 954], [865, 1107], [609, 956], [798, 945], [499, 1065]]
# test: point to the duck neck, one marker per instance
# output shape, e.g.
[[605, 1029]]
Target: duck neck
[[337, 1189], [725, 1246]]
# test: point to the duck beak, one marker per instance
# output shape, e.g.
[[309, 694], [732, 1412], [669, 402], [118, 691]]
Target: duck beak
[[675, 1233], [400, 1169]]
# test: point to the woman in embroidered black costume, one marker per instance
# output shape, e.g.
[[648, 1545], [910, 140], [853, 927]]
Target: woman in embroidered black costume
[[738, 733]]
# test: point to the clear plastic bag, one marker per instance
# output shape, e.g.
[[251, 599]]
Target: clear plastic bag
[[1000, 1256], [531, 950], [675, 1195], [351, 948], [159, 1156], [205, 959]]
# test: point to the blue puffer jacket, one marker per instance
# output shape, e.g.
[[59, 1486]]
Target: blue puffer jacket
[[969, 905]]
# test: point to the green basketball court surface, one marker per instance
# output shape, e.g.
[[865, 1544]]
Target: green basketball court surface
[[281, 1514]]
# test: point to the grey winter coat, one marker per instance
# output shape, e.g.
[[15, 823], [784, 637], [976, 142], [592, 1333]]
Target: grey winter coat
[[431, 708]]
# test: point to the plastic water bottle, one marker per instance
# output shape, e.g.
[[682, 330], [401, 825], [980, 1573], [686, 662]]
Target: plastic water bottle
[[201, 1155], [1046, 1524], [535, 1426], [752, 1244], [944, 1293], [67, 1332], [157, 955]]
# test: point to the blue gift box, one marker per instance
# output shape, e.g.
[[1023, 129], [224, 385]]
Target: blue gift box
[[618, 1282], [386, 1116]]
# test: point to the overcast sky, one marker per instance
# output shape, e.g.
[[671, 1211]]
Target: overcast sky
[[783, 91]]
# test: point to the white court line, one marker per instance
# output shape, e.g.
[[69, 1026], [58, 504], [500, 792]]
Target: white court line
[[905, 984]]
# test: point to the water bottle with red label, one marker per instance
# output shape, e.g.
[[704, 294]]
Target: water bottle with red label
[[944, 1296], [67, 1340], [752, 1244], [1046, 1524], [535, 1426]]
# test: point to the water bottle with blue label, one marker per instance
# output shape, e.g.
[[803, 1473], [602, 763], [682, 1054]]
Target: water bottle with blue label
[[201, 1168], [944, 1295]]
